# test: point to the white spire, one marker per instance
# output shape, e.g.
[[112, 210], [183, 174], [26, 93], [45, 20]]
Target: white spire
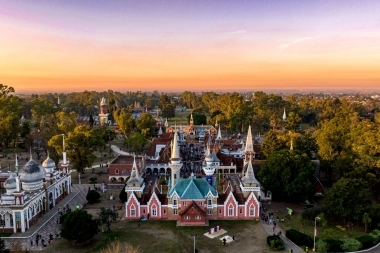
[[58, 101], [284, 115], [291, 144], [160, 131], [249, 142], [249, 177], [16, 165], [216, 123], [135, 177], [219, 136], [191, 119], [175, 149]]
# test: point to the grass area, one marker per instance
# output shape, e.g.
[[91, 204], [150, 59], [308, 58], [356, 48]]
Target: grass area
[[164, 236], [180, 118], [330, 231]]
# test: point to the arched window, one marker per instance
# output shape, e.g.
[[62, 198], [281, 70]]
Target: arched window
[[231, 210], [252, 210], [175, 202], [116, 171], [132, 211], [154, 210]]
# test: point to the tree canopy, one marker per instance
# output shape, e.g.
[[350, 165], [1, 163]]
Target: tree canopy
[[78, 226]]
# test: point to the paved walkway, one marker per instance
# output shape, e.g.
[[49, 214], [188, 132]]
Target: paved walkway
[[288, 244], [47, 224], [118, 150]]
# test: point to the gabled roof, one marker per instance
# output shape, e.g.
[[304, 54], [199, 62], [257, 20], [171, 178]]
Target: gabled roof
[[192, 188], [193, 204]]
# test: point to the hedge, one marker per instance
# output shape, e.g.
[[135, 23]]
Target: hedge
[[299, 238], [275, 242]]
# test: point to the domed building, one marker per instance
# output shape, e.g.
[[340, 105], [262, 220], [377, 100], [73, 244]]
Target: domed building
[[28, 195], [32, 176]]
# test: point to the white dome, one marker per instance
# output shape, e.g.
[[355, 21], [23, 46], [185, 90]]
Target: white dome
[[32, 172], [10, 183], [48, 163]]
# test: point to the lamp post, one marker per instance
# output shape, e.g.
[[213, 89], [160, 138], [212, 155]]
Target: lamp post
[[315, 229], [194, 242]]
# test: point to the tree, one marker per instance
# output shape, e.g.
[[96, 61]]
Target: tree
[[78, 226], [107, 216], [347, 199], [125, 121], [366, 220], [271, 143], [145, 124], [288, 175], [93, 196], [136, 142]]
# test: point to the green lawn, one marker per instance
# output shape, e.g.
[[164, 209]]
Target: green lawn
[[329, 231]]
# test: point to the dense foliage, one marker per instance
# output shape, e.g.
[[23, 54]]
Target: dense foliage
[[93, 196], [288, 175], [78, 226], [275, 242]]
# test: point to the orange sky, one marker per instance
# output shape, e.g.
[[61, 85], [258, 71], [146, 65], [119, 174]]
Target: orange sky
[[110, 49]]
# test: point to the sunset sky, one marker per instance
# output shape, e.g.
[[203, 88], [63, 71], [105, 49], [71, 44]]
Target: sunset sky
[[61, 46]]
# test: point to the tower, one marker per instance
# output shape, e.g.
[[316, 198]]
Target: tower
[[103, 115], [209, 168], [249, 153], [64, 163], [175, 161]]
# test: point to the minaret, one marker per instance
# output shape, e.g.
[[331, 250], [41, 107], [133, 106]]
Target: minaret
[[191, 119], [18, 187], [64, 164], [103, 115], [175, 161], [284, 115], [248, 151]]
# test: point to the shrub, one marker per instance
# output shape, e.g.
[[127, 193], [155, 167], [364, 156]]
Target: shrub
[[376, 236], [275, 242], [321, 245], [93, 180], [333, 245], [366, 240], [349, 245], [123, 195], [299, 238], [163, 181], [93, 196]]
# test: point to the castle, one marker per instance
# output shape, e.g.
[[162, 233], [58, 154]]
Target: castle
[[194, 199]]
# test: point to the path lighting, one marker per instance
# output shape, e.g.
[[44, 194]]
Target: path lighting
[[195, 251], [315, 230]]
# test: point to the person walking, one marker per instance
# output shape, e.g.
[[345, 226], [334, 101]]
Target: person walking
[[31, 241]]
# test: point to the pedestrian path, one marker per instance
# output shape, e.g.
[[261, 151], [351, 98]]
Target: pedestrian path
[[47, 224], [289, 245]]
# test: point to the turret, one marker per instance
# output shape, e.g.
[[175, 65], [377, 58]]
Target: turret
[[175, 160]]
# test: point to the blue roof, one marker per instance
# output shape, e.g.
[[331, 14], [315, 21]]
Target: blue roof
[[192, 188]]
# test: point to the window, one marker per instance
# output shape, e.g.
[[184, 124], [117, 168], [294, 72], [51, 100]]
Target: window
[[187, 217], [154, 211], [200, 203], [241, 210], [143, 211], [164, 211], [198, 217], [209, 211], [230, 211], [116, 171], [174, 201], [209, 201], [220, 210], [252, 211], [175, 211], [133, 212], [184, 203]]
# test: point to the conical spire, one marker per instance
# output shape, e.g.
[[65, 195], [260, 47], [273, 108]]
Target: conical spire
[[175, 149], [249, 177], [160, 131], [249, 142], [219, 136], [284, 115], [191, 119], [166, 123], [135, 177], [16, 165]]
